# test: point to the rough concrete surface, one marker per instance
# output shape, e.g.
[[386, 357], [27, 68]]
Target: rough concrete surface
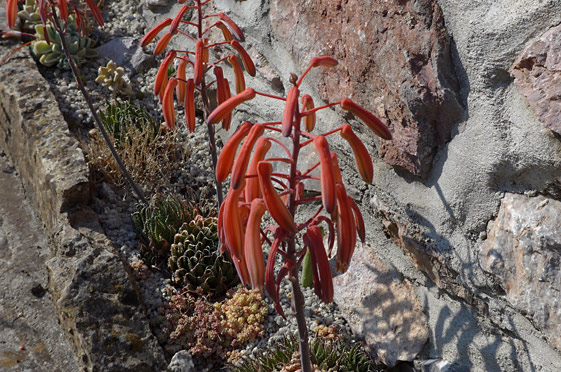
[[31, 338], [95, 299], [498, 146]]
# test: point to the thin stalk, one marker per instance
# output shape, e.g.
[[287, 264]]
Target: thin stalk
[[206, 112], [297, 296], [96, 117]]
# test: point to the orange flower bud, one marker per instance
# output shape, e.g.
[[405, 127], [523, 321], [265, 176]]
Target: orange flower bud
[[63, 8], [227, 155], [323, 284], [235, 28], [362, 157], [167, 104], [309, 120], [275, 206], [336, 169], [162, 74], [327, 176], [246, 59], [198, 68], [323, 61], [240, 165], [346, 234], [190, 105], [162, 43], [368, 118], [225, 31], [233, 233], [96, 13], [12, 12], [290, 109], [177, 19], [253, 251], [227, 120], [252, 189], [240, 80], [181, 78], [230, 104], [359, 221], [150, 35]]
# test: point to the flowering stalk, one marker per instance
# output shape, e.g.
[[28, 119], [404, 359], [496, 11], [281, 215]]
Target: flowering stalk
[[200, 66], [252, 193], [57, 12]]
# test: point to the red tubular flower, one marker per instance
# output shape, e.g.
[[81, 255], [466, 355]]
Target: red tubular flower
[[230, 104], [327, 176], [177, 19], [309, 120], [240, 80], [323, 283], [246, 59], [359, 221], [198, 68], [227, 120], [323, 61], [252, 189], [190, 105], [162, 73], [253, 251], [162, 43], [271, 285], [362, 157], [220, 88], [63, 8], [275, 206], [150, 35], [225, 32], [167, 104], [96, 13], [290, 109], [227, 155], [368, 118], [242, 160], [336, 169], [235, 28], [233, 233], [346, 234], [12, 12], [181, 78]]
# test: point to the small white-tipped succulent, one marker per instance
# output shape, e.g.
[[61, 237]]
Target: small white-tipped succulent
[[113, 77]]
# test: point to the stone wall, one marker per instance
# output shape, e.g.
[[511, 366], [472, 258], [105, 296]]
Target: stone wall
[[465, 196]]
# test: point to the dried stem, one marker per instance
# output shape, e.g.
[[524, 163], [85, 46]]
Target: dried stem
[[97, 120]]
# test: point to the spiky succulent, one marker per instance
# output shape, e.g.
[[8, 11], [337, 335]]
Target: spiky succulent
[[50, 53], [156, 225], [327, 356], [113, 77], [118, 117], [195, 263]]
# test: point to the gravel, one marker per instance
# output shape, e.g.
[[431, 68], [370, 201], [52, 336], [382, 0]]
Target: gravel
[[124, 18]]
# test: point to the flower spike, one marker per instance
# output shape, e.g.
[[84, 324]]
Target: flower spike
[[253, 251], [275, 206], [230, 104], [368, 118], [362, 157], [290, 110], [227, 155], [327, 176]]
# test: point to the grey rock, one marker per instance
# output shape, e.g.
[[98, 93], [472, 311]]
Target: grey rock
[[181, 362], [382, 307], [537, 73], [523, 251], [154, 4], [126, 52]]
